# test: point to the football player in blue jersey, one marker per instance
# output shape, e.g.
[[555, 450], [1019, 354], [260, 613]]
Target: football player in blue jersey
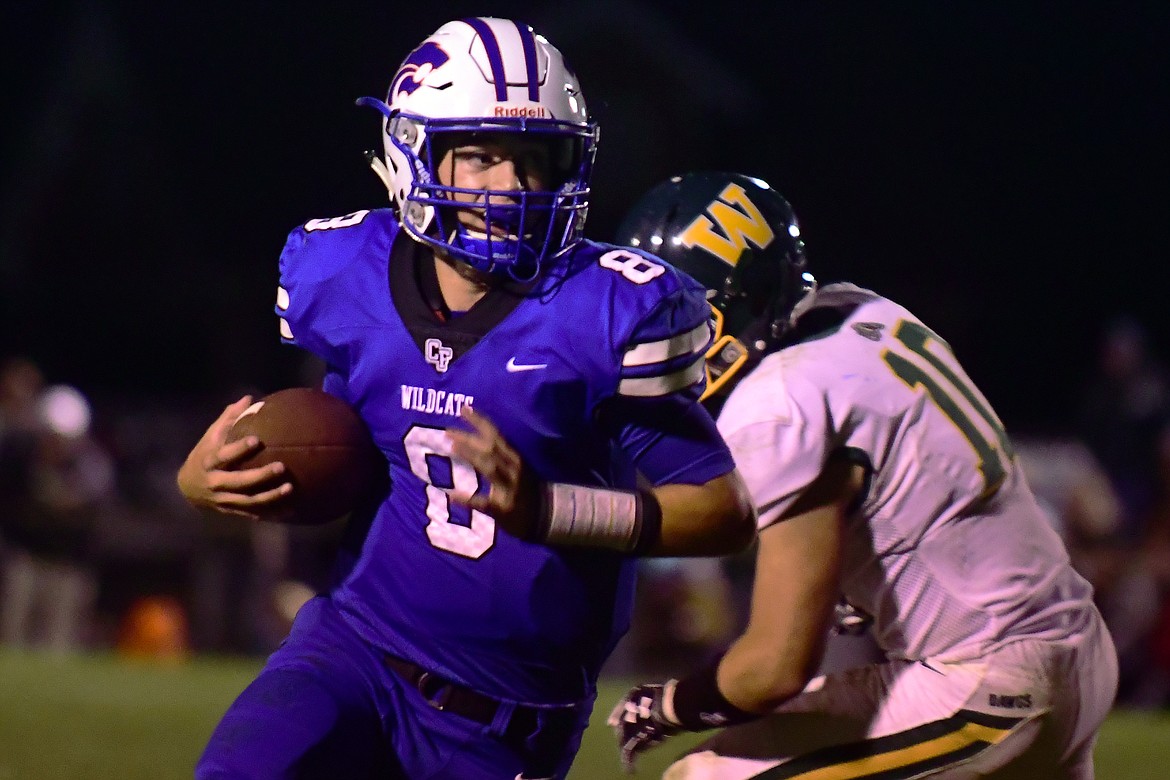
[[535, 395]]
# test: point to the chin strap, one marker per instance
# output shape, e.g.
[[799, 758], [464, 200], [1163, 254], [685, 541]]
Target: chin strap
[[373, 158], [725, 358], [378, 166]]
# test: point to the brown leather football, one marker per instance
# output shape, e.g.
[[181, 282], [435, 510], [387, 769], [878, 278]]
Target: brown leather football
[[328, 454]]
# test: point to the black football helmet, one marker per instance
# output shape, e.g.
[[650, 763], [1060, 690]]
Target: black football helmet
[[740, 239]]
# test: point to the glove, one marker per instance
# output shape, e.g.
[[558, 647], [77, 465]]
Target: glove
[[639, 722]]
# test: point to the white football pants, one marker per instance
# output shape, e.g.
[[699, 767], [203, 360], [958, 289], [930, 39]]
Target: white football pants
[[1029, 710]]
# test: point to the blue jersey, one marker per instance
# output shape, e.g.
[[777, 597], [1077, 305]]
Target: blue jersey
[[591, 373]]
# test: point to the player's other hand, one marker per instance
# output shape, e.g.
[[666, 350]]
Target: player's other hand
[[514, 498], [207, 479], [639, 723]]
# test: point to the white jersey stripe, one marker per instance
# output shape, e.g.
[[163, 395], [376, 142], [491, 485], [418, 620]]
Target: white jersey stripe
[[664, 384], [651, 352]]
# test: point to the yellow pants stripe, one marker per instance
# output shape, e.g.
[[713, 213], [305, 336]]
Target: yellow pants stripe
[[899, 755]]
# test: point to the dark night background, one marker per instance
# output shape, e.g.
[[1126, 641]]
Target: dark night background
[[999, 168]]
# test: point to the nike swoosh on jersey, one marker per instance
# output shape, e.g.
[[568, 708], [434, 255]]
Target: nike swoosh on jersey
[[513, 366]]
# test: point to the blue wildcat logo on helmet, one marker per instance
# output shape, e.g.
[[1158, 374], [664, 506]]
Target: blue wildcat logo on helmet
[[421, 62]]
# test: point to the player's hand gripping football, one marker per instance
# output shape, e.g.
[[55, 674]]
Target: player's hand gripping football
[[514, 498], [639, 723], [207, 480]]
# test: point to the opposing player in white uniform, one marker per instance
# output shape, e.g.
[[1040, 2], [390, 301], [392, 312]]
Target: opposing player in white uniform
[[882, 475]]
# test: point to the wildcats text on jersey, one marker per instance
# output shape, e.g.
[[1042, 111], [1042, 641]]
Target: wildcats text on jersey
[[430, 401]]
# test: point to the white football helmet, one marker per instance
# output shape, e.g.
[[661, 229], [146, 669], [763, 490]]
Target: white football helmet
[[484, 75]]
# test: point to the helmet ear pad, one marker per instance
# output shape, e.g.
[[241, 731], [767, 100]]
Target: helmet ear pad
[[771, 291], [408, 158], [402, 140], [748, 294]]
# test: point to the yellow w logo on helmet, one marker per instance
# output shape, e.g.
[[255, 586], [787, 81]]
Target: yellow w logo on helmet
[[738, 225]]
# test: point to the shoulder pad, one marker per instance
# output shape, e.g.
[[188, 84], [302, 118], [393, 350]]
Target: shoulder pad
[[323, 273], [775, 416], [321, 247], [661, 318]]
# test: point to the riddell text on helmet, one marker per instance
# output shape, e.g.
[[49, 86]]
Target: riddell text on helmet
[[535, 112]]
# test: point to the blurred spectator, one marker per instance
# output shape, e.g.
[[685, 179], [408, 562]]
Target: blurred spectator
[[1072, 488], [684, 611], [48, 587], [21, 383], [1123, 409], [1078, 496], [1156, 559], [146, 545], [1127, 595], [238, 569], [1124, 413]]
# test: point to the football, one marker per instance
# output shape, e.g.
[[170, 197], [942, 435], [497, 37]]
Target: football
[[328, 453]]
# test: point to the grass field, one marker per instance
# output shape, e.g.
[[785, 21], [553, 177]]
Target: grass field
[[100, 718]]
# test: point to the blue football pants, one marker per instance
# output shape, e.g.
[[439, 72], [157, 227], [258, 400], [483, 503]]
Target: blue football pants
[[326, 705]]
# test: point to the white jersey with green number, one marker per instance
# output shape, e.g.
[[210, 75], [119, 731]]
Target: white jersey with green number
[[948, 551]]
